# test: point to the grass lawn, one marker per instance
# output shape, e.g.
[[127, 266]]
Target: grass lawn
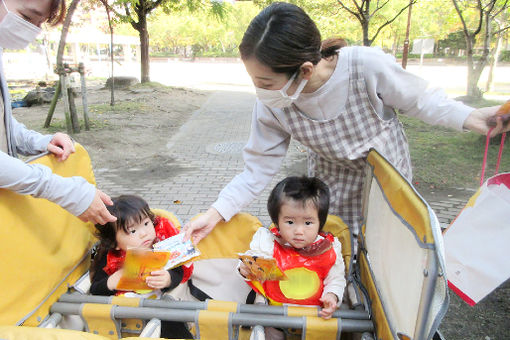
[[443, 158]]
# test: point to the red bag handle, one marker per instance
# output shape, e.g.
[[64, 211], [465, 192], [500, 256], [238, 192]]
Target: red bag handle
[[484, 163]]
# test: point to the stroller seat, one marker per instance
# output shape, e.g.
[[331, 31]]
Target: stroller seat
[[398, 274]]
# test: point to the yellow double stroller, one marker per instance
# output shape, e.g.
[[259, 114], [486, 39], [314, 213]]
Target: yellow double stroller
[[397, 280]]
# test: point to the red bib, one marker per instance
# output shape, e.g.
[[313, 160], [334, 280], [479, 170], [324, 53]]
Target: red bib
[[305, 269], [164, 229]]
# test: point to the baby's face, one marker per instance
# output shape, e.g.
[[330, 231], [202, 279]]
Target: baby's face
[[139, 235], [298, 224]]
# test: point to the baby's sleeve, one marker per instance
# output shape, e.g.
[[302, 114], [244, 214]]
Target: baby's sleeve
[[335, 280], [176, 277], [262, 244], [187, 270], [99, 281]]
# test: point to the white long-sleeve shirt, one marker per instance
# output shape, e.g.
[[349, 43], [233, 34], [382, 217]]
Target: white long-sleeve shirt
[[74, 194], [262, 243], [390, 88]]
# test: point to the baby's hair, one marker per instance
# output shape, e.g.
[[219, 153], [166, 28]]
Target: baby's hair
[[302, 189], [129, 209]]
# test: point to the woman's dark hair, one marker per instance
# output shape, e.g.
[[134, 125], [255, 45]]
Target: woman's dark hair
[[283, 37], [128, 209], [57, 12], [303, 189]]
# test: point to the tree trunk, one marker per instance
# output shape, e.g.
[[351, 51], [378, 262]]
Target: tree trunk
[[473, 75], [144, 47], [475, 70], [406, 40], [75, 121], [394, 48], [60, 67], [65, 29], [473, 91], [112, 58], [112, 88], [366, 40], [494, 64]]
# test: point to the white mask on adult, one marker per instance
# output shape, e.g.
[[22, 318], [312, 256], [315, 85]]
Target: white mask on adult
[[279, 99], [16, 32]]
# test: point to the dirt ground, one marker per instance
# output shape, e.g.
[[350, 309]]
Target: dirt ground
[[119, 140], [130, 135]]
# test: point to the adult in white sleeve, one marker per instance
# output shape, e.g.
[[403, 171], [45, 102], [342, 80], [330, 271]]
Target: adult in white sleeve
[[20, 22], [337, 101]]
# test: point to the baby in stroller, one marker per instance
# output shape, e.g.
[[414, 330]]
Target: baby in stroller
[[136, 226], [311, 259]]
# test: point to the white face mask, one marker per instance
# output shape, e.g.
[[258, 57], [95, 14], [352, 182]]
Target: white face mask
[[279, 98], [16, 32]]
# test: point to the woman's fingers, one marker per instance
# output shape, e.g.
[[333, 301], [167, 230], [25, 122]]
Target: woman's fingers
[[97, 212]]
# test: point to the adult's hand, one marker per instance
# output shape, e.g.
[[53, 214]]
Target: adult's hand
[[61, 146], [201, 226], [477, 121], [97, 212]]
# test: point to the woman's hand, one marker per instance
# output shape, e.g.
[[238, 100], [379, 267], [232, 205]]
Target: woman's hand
[[113, 280], [97, 212], [329, 303], [477, 121], [159, 279], [61, 146], [201, 226]]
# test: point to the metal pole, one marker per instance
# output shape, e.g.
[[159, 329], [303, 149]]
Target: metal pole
[[186, 305], [429, 285], [238, 319], [150, 328], [52, 321], [406, 41]]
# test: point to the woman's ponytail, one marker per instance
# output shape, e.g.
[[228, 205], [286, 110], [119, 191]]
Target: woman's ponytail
[[329, 47]]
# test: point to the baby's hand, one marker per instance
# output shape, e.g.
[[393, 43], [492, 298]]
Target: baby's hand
[[113, 280], [329, 303], [159, 279]]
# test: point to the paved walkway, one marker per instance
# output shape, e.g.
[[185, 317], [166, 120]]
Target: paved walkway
[[207, 155]]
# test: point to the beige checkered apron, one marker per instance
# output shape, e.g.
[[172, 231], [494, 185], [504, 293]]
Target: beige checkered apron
[[337, 148]]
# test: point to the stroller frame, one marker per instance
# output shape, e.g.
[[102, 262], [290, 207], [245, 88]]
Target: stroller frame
[[391, 206]]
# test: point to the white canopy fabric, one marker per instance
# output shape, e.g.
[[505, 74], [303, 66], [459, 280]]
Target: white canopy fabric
[[404, 251]]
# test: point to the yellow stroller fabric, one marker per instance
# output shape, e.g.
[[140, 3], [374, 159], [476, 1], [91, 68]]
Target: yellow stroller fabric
[[44, 248], [401, 257]]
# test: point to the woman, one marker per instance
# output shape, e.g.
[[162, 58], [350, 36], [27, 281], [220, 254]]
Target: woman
[[20, 23], [337, 101]]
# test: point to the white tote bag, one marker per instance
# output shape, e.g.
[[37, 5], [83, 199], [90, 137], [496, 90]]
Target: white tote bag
[[477, 243]]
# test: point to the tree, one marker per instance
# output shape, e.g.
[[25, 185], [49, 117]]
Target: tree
[[110, 26], [72, 122], [362, 11], [501, 22], [136, 12], [482, 27]]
